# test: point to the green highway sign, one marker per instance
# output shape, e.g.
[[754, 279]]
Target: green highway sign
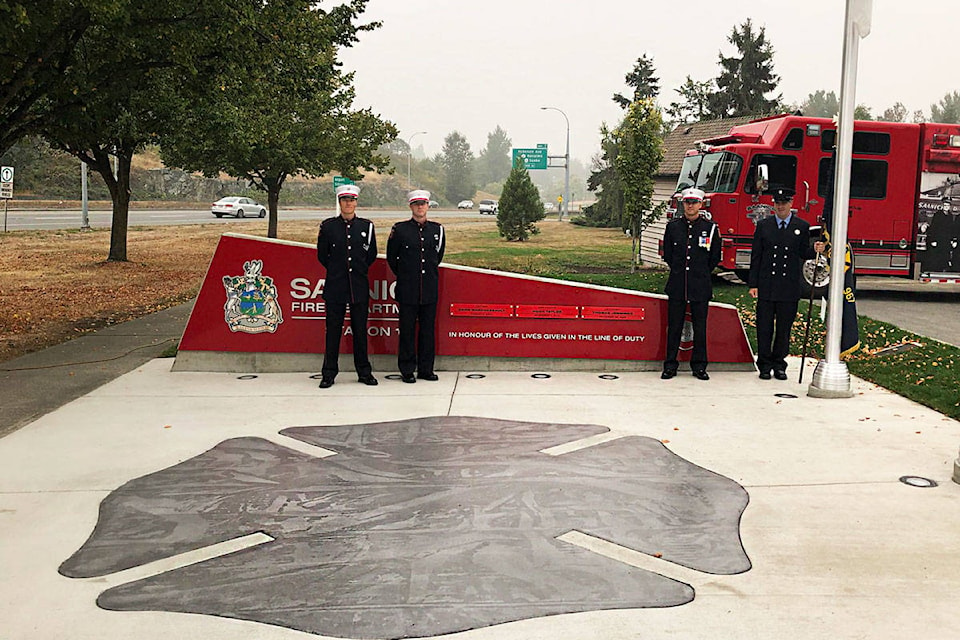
[[339, 181], [541, 145], [532, 158]]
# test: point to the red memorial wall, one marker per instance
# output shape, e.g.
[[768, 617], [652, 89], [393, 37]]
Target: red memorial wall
[[265, 296]]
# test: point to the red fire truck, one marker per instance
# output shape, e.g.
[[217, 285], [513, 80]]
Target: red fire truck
[[904, 214]]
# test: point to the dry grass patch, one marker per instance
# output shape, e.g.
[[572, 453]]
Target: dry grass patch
[[55, 285]]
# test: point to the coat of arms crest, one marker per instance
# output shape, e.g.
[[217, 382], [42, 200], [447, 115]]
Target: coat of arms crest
[[251, 305]]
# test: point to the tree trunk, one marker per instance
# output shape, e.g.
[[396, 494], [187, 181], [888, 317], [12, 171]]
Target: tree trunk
[[121, 208], [99, 160], [272, 185], [273, 203]]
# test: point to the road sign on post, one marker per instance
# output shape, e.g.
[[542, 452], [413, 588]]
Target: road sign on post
[[339, 181], [6, 182], [532, 158]]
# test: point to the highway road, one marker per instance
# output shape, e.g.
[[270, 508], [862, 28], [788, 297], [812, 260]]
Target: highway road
[[931, 310], [20, 220]]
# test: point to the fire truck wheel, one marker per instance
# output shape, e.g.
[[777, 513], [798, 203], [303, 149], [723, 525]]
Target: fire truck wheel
[[743, 274]]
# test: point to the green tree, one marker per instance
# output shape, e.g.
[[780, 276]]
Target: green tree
[[747, 78], [642, 81], [641, 151], [493, 165], [520, 207], [267, 125], [113, 97], [821, 104], [604, 180], [948, 109], [38, 41], [694, 103], [896, 113], [862, 112], [456, 159]]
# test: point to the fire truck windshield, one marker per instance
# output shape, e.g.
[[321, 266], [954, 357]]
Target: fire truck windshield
[[717, 172]]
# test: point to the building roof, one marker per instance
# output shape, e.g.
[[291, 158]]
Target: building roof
[[685, 136]]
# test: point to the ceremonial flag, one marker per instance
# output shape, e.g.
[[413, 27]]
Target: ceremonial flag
[[849, 327]]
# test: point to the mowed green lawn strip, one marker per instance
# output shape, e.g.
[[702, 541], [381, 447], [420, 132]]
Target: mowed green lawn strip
[[928, 374]]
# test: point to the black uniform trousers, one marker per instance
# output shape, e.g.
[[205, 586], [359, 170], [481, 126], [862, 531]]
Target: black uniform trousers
[[336, 311], [676, 313], [417, 349], [774, 321]]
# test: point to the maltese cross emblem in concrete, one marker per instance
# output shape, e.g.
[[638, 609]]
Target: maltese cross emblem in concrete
[[416, 527]]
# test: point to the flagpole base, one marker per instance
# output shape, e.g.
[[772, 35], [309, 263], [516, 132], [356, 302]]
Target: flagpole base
[[830, 380]]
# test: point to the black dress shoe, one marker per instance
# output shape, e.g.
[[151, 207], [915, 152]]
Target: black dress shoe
[[368, 380], [326, 383], [432, 377], [701, 375], [780, 375], [408, 377], [666, 375], [764, 375]]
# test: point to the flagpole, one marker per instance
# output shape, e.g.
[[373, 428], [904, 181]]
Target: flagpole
[[831, 379]]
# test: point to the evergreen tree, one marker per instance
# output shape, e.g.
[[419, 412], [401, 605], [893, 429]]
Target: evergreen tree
[[643, 82], [694, 103], [744, 81], [520, 207], [948, 110], [821, 104], [604, 180], [456, 159], [493, 165]]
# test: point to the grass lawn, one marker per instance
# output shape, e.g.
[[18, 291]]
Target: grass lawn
[[927, 372]]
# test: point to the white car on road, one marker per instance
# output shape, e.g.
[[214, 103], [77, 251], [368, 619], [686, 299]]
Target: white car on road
[[237, 207], [465, 204], [488, 207]]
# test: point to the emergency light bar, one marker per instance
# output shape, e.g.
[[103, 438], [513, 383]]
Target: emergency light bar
[[946, 140]]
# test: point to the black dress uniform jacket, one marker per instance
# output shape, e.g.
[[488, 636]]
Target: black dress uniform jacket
[[692, 251], [346, 250], [414, 253], [777, 256]]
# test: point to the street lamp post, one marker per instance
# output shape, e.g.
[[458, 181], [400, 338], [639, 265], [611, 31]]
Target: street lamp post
[[409, 154], [566, 166]]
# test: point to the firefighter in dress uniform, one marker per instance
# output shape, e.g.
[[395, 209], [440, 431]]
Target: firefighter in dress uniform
[[414, 251], [781, 244], [346, 247], [691, 248]]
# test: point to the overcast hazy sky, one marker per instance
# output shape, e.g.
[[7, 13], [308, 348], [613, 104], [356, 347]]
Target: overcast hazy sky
[[442, 65]]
